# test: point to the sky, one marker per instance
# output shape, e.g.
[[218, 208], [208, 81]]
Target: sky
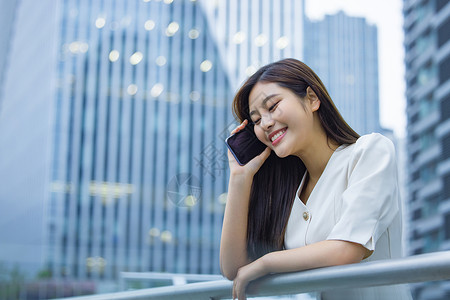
[[387, 16]]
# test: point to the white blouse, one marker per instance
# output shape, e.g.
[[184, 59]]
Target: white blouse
[[356, 199]]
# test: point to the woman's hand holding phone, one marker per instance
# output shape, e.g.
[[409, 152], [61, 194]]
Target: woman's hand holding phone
[[251, 167]]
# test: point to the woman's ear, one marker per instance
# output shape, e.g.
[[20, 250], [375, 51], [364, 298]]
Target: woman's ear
[[313, 99]]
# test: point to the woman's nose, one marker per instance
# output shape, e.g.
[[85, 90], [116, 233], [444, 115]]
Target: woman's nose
[[267, 122]]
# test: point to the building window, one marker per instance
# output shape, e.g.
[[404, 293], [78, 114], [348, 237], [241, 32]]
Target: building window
[[445, 147], [431, 205], [413, 118], [424, 10], [445, 108], [426, 74], [417, 214], [443, 32], [414, 196], [447, 226], [427, 139], [412, 82], [444, 70], [433, 240], [446, 186], [441, 4], [428, 173], [424, 42]]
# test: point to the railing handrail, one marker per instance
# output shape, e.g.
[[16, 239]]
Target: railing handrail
[[175, 278], [168, 276], [418, 268]]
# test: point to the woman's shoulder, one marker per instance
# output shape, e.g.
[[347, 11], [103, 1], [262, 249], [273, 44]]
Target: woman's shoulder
[[374, 142], [371, 150]]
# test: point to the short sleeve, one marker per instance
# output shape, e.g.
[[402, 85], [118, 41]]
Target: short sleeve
[[370, 201]]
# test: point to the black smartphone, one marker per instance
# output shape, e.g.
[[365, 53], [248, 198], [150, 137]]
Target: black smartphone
[[244, 145]]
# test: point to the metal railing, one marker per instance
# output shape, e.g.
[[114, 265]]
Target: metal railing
[[174, 278], [418, 268]]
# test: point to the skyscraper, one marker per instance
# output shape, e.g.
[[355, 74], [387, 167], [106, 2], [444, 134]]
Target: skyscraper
[[342, 50], [427, 59], [253, 33], [139, 165], [27, 64]]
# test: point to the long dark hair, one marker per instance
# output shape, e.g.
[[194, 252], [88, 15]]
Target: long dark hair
[[275, 184]]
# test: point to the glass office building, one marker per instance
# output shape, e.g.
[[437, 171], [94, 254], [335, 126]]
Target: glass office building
[[253, 33], [342, 50], [27, 64], [139, 162], [427, 60], [139, 173]]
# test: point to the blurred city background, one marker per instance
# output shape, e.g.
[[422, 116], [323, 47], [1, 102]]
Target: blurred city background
[[113, 115]]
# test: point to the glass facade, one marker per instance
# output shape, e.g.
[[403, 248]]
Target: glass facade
[[139, 162], [427, 57], [27, 75], [342, 50], [253, 33]]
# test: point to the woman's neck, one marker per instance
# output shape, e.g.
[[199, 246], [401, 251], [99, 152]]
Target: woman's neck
[[316, 157]]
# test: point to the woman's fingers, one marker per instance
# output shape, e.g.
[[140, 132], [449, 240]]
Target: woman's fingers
[[238, 292], [259, 160], [253, 165], [265, 154], [240, 127]]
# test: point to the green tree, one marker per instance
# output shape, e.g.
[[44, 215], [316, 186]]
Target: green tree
[[12, 282]]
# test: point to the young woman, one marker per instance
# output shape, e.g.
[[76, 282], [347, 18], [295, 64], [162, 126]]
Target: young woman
[[319, 195]]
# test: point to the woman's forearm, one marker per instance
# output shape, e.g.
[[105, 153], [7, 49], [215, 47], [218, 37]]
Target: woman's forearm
[[233, 244], [321, 254]]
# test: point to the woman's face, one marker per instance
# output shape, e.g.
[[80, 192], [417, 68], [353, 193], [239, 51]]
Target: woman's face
[[283, 121]]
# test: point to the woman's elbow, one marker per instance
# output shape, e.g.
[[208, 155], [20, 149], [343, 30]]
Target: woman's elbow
[[230, 264], [228, 273], [350, 253]]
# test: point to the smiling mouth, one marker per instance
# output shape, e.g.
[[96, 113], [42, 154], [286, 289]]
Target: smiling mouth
[[276, 135]]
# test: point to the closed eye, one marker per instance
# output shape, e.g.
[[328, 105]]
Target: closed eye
[[256, 122], [273, 107]]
